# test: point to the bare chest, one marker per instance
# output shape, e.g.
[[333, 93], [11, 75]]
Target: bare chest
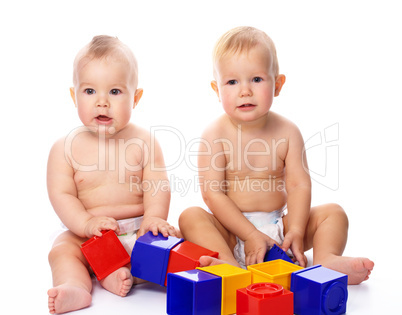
[[255, 157], [106, 164]]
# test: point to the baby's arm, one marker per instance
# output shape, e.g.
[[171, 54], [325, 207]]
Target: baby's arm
[[63, 196], [156, 191], [212, 173], [298, 187]]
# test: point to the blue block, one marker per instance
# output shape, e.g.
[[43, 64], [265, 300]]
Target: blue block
[[277, 253], [150, 257], [194, 292], [318, 291]]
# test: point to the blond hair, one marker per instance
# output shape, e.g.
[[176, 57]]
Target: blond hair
[[104, 46], [241, 40]]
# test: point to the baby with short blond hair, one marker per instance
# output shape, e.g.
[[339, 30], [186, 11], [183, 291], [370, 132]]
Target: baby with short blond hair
[[253, 171], [91, 173]]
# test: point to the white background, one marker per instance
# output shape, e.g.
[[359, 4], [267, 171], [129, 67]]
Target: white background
[[343, 65]]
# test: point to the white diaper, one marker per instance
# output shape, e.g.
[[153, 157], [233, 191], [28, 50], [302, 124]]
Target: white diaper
[[128, 232], [269, 223]]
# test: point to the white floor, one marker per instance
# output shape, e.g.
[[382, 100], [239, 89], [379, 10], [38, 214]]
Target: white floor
[[26, 292], [380, 295]]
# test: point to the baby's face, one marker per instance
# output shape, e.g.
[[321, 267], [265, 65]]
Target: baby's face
[[245, 84], [104, 94]]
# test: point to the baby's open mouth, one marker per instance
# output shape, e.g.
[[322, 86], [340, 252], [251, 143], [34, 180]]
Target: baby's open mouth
[[103, 118], [246, 105]]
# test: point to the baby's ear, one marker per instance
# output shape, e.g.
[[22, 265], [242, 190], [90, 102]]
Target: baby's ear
[[214, 86], [279, 82], [72, 93], [137, 96]]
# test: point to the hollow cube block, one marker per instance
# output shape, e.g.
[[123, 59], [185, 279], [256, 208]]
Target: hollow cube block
[[264, 299], [193, 292], [277, 253], [150, 256], [233, 278], [105, 254], [186, 255], [275, 271], [318, 290]]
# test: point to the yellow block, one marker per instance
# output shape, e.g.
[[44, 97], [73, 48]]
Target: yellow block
[[233, 278], [275, 271]]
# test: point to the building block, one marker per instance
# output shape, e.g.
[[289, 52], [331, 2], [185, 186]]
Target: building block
[[264, 299], [193, 292], [150, 256], [105, 254], [275, 271], [277, 253], [185, 256], [233, 278], [318, 290]]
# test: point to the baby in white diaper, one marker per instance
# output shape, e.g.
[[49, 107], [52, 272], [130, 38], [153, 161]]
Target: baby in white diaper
[[103, 172], [253, 159], [269, 223]]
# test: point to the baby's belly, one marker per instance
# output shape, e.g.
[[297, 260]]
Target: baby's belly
[[257, 194], [118, 212], [115, 202]]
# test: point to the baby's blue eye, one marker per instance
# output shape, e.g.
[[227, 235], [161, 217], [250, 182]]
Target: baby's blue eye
[[115, 91], [257, 79], [89, 91], [232, 82]]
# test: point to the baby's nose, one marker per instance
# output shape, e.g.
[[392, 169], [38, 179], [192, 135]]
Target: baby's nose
[[102, 102], [245, 90]]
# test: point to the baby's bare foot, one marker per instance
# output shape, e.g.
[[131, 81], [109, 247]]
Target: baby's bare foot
[[358, 269], [65, 298], [118, 282], [206, 261]]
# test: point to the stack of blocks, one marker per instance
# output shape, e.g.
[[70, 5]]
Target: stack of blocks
[[221, 289]]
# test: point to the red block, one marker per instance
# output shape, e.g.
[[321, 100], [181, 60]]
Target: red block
[[185, 256], [264, 299], [105, 254]]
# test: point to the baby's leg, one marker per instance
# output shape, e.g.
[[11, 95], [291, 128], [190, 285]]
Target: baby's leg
[[202, 228], [71, 280], [327, 233]]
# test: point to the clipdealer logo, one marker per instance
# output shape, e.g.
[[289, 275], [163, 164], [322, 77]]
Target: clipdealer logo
[[322, 150]]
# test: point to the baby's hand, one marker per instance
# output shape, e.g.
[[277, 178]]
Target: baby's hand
[[294, 241], [156, 225], [255, 247], [95, 225]]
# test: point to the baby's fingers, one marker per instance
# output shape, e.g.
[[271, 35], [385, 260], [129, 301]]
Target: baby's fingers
[[167, 230], [301, 258], [286, 244], [251, 259], [104, 224], [172, 231], [111, 224], [154, 229]]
